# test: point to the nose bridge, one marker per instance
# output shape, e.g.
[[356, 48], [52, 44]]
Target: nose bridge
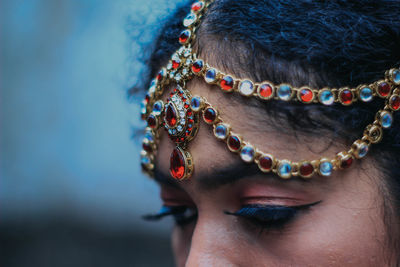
[[211, 245]]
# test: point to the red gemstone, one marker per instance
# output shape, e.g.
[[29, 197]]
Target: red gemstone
[[265, 163], [227, 83], [170, 116], [210, 115], [147, 147], [346, 96], [184, 36], [395, 102], [306, 169], [384, 89], [176, 63], [265, 90], [160, 75], [346, 163], [306, 95], [197, 6], [177, 164], [234, 143], [147, 98], [152, 121], [197, 66]]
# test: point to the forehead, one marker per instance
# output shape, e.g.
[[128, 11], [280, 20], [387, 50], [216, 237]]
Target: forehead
[[254, 124]]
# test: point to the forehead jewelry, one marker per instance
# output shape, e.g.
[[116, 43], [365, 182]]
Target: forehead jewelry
[[180, 115]]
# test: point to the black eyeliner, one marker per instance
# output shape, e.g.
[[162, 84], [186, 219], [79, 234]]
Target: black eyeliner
[[182, 215], [164, 211], [269, 216]]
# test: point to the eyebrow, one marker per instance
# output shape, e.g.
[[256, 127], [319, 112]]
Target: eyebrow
[[218, 177]]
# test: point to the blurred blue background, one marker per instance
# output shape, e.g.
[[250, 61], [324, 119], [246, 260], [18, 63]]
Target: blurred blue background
[[71, 190]]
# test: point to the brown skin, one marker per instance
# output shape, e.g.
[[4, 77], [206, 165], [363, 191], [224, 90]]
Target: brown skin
[[344, 229]]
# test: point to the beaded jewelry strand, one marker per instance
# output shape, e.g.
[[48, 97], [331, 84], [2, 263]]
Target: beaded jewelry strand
[[180, 115]]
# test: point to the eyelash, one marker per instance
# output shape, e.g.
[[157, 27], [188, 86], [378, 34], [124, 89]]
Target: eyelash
[[182, 215], [269, 216], [262, 216]]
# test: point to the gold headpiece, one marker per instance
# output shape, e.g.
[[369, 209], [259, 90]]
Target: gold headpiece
[[180, 116]]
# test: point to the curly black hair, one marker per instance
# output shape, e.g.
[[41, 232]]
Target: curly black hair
[[304, 42]]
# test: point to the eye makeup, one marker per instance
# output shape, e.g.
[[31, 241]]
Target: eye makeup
[[182, 215], [270, 216]]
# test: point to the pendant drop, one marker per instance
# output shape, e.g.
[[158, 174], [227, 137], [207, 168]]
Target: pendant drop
[[182, 124], [181, 164]]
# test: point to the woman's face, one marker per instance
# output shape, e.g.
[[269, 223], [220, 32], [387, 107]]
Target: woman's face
[[342, 227]]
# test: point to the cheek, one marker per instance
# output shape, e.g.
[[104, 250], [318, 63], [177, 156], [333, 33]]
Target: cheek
[[348, 236], [332, 236], [347, 228]]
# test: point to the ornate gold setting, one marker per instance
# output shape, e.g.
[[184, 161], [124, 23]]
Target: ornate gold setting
[[187, 167], [185, 64]]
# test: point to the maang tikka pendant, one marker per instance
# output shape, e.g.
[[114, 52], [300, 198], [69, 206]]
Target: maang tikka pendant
[[182, 124]]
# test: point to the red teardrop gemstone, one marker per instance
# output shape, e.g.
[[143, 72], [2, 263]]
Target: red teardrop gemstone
[[210, 115], [384, 89], [265, 90], [306, 95], [177, 164], [170, 116], [306, 169], [344, 164], [395, 102], [197, 6], [227, 83], [346, 96], [234, 143], [265, 163]]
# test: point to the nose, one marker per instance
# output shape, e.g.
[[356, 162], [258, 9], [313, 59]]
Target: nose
[[212, 245]]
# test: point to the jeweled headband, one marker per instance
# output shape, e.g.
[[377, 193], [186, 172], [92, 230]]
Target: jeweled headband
[[181, 114]]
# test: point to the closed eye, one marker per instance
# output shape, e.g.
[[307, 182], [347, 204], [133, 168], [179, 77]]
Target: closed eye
[[182, 215], [270, 216]]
